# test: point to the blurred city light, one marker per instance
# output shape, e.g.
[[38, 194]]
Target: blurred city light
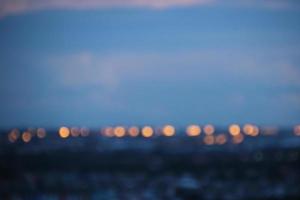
[[234, 129], [250, 130], [41, 133], [237, 139], [26, 136], [75, 132], [147, 131], [108, 132], [209, 140], [119, 131], [84, 132], [297, 130], [269, 130], [64, 132], [193, 130], [168, 131], [13, 135], [133, 131], [209, 129], [221, 139]]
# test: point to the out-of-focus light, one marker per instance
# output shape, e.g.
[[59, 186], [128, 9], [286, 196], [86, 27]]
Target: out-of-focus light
[[193, 130], [255, 131], [108, 132], [119, 131], [64, 132], [133, 131], [209, 140], [221, 139], [269, 130], [297, 130], [250, 130], [147, 131], [237, 139], [26, 136], [13, 135], [209, 129], [168, 131], [234, 129], [41, 133], [75, 132], [84, 132]]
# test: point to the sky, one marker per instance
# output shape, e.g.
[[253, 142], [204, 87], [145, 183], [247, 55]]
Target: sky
[[99, 62]]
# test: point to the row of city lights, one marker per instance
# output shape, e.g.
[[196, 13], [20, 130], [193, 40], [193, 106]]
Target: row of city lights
[[147, 131]]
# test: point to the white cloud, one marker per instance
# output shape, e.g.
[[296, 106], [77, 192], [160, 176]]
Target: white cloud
[[110, 71]]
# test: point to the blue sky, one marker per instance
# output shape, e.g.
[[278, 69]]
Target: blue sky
[[137, 62]]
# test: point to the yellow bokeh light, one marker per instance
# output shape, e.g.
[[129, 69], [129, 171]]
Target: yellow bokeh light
[[13, 135], [297, 130], [41, 133], [193, 130], [221, 139], [237, 139], [209, 140], [234, 129], [147, 131], [75, 132], [119, 131], [209, 129], [133, 131], [168, 131], [64, 132], [26, 136]]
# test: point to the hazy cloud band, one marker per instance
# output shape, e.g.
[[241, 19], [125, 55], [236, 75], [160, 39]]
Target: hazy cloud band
[[12, 7]]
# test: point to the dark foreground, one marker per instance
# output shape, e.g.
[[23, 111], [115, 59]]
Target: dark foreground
[[157, 168]]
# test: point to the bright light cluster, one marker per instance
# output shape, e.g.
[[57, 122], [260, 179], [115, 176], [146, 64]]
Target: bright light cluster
[[236, 133]]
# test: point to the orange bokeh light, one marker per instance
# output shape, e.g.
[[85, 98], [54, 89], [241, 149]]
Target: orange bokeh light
[[108, 132], [209, 140], [133, 131], [75, 132], [234, 129], [119, 131], [209, 129], [193, 130], [64, 132], [26, 136], [237, 139], [221, 139], [297, 130], [168, 131], [147, 131], [13, 135], [251, 130]]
